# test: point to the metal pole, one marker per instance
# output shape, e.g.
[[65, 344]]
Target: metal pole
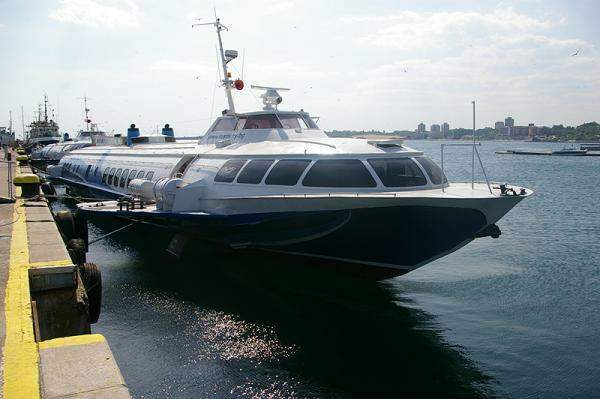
[[225, 75], [473, 153], [442, 149]]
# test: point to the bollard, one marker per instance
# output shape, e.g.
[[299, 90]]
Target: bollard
[[29, 183], [22, 160]]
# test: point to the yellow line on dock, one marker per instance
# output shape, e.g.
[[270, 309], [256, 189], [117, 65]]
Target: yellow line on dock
[[73, 340], [21, 358]]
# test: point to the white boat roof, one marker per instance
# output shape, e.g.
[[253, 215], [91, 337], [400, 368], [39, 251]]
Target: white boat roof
[[321, 146]]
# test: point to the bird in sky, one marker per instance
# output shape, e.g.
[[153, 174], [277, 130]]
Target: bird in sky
[[576, 53]]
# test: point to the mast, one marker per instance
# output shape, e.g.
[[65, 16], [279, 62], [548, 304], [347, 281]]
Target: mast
[[86, 109], [45, 108], [224, 60]]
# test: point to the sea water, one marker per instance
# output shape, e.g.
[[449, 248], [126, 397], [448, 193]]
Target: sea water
[[515, 316]]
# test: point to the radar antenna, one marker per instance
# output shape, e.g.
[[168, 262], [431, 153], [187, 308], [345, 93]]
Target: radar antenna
[[226, 57], [271, 98]]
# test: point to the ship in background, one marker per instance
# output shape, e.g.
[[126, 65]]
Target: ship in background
[[51, 154], [91, 133], [42, 131]]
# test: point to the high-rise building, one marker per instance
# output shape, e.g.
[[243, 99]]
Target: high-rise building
[[436, 131], [499, 126], [421, 128], [445, 129], [509, 122]]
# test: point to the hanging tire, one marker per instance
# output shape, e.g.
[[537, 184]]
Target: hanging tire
[[76, 249], [92, 281], [48, 189], [66, 224]]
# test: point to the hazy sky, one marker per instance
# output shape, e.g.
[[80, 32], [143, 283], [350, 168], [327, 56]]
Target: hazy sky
[[356, 64]]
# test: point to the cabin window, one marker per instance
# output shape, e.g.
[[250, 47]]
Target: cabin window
[[124, 178], [287, 172], [398, 172], [267, 121], [140, 174], [338, 173], [110, 176], [150, 175], [435, 172], [254, 171], [225, 124], [292, 122], [131, 176], [87, 171], [116, 180], [96, 171], [105, 175], [229, 170]]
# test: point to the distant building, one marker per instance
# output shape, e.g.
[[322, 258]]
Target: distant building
[[519, 131], [421, 128], [509, 124], [445, 129], [436, 131], [499, 126], [532, 130]]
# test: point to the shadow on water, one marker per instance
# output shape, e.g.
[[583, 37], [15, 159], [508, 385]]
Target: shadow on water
[[266, 326], [257, 325]]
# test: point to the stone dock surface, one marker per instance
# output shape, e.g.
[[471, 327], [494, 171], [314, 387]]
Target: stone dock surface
[[35, 267]]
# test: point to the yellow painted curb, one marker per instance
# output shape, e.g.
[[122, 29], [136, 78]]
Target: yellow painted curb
[[73, 340], [65, 262], [21, 358]]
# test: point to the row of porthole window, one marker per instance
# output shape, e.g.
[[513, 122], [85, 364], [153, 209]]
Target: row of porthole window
[[113, 176], [393, 172], [121, 177]]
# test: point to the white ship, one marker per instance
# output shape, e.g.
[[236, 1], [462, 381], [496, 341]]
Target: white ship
[[273, 180], [43, 131]]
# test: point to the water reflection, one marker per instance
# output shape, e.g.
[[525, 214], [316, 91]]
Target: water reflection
[[259, 326], [254, 325]]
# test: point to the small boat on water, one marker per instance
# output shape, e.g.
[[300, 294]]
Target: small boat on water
[[272, 180], [590, 146], [569, 152]]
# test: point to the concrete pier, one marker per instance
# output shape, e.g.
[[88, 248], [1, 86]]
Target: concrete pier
[[47, 348]]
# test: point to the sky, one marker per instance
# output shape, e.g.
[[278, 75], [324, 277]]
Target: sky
[[383, 65]]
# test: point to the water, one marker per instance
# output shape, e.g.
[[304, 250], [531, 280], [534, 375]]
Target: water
[[512, 317]]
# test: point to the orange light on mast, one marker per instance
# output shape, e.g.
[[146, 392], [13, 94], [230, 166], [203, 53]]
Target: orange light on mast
[[238, 84]]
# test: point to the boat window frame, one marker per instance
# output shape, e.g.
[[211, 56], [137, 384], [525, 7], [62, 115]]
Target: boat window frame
[[105, 174], [237, 169], [141, 174], [407, 158], [111, 174], [285, 160], [117, 176], [87, 171], [131, 176], [269, 162], [149, 175], [338, 176], [123, 178], [426, 169]]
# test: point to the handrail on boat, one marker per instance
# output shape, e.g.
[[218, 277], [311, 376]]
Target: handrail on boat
[[475, 152]]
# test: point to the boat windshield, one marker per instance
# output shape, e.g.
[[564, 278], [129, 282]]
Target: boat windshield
[[264, 121]]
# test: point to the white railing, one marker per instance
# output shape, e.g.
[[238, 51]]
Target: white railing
[[475, 152]]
